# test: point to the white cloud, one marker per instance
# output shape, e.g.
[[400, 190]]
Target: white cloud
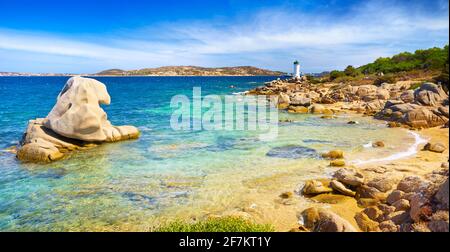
[[320, 40]]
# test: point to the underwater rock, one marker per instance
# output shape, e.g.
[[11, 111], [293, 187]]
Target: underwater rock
[[293, 152]]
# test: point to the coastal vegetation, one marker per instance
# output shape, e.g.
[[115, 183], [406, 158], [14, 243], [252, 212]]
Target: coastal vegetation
[[223, 224], [428, 64]]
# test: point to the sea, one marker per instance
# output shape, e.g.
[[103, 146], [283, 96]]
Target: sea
[[168, 174]]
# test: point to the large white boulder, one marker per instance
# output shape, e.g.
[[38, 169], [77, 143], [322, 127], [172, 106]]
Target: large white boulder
[[76, 121], [77, 113]]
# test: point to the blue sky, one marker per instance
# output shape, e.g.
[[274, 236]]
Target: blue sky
[[89, 36]]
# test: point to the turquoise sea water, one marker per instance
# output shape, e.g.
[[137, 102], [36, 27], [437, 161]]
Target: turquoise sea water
[[165, 174]]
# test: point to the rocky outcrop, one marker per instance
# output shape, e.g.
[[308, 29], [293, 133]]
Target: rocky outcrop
[[390, 202], [416, 204], [76, 121], [424, 107], [322, 220], [430, 94], [349, 177]]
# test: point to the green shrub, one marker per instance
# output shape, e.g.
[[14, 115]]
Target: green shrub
[[430, 59], [314, 80], [336, 74], [443, 77], [351, 71], [345, 79], [224, 224], [388, 78]]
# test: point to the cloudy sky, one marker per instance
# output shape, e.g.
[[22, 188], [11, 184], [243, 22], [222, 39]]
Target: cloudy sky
[[90, 36]]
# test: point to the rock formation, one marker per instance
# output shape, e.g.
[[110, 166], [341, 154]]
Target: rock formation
[[427, 106], [76, 121]]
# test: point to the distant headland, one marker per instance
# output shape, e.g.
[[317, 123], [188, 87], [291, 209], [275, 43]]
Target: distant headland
[[169, 71]]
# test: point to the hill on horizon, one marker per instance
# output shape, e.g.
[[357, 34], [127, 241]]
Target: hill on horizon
[[193, 71]]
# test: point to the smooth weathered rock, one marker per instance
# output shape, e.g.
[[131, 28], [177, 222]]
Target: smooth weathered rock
[[383, 184], [282, 106], [367, 202], [374, 213], [435, 147], [407, 96], [300, 101], [283, 98], [40, 144], [420, 208], [383, 94], [398, 217], [386, 208], [338, 186], [423, 118], [76, 121], [430, 94], [394, 196], [337, 163], [317, 109], [439, 222], [412, 184], [349, 177], [366, 224], [322, 220], [444, 110], [401, 205], [297, 109], [388, 226], [313, 187], [77, 113], [442, 195], [334, 154], [365, 191]]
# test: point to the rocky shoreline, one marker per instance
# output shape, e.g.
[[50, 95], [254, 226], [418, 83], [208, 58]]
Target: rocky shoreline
[[390, 197]]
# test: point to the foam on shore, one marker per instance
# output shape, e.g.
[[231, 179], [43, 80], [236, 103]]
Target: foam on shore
[[411, 151]]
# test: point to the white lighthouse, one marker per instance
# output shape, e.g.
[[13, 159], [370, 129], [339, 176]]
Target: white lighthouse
[[296, 73]]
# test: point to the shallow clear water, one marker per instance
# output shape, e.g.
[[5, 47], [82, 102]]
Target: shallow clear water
[[164, 174]]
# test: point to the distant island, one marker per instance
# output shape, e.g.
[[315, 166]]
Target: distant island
[[169, 71], [193, 71]]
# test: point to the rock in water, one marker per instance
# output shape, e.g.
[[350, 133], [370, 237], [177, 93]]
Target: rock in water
[[334, 154], [292, 151], [77, 113], [76, 121]]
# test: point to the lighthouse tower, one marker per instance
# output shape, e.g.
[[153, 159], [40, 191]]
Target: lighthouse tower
[[296, 74]]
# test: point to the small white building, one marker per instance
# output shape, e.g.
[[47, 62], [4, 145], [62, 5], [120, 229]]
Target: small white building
[[296, 73]]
